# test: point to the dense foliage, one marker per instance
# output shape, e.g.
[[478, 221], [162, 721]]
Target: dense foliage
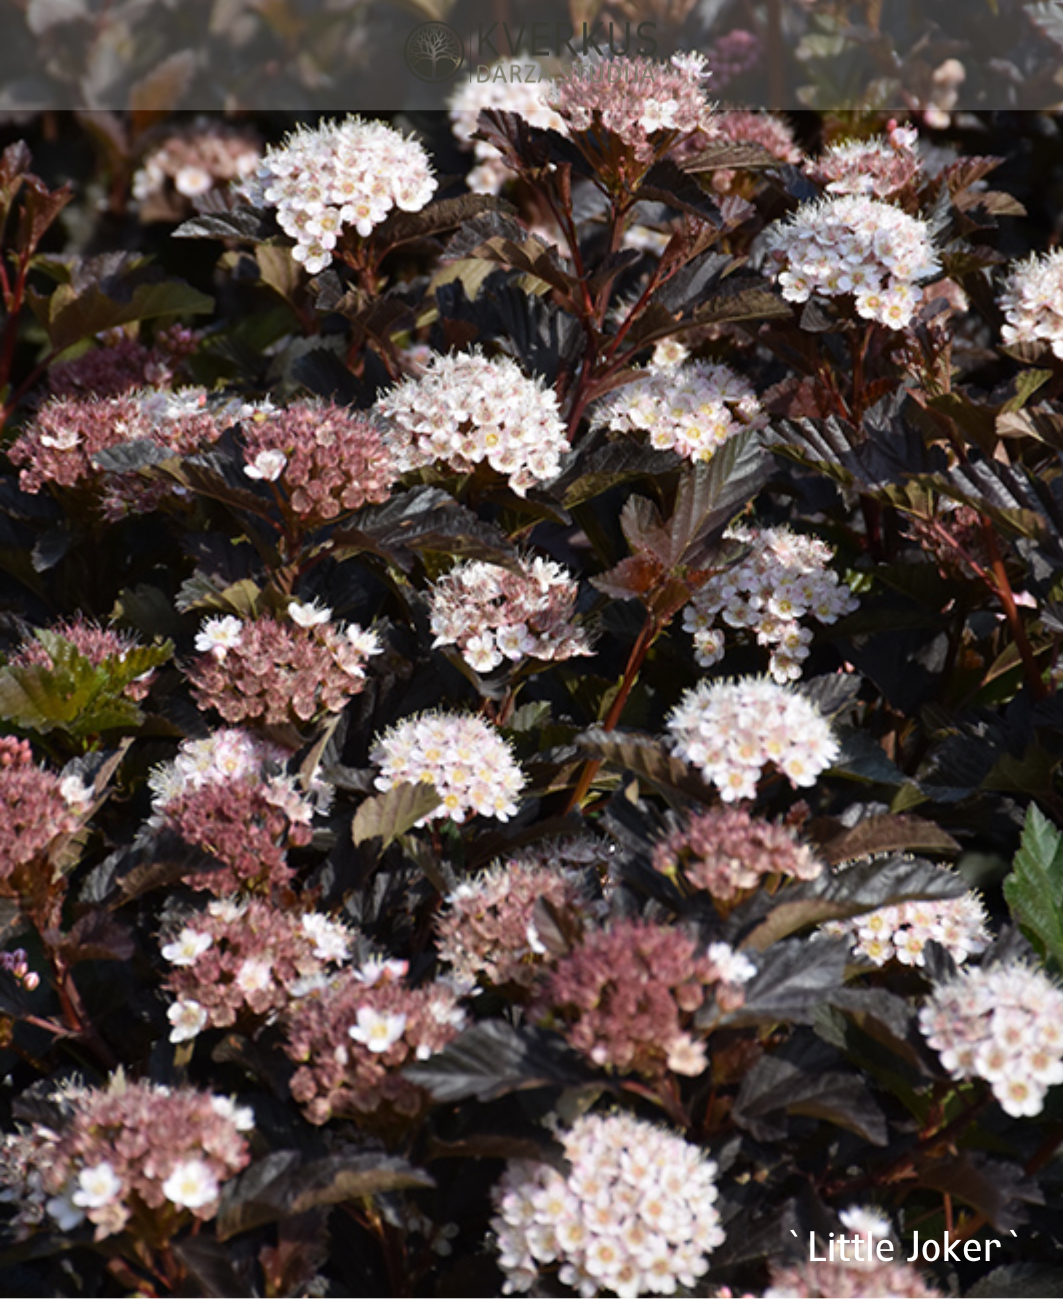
[[532, 734]]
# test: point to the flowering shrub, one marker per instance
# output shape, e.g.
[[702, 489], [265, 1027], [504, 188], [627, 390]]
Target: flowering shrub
[[351, 1039], [902, 932], [341, 177], [493, 614], [126, 1152], [467, 409], [1000, 1023], [635, 1213], [469, 764], [1030, 300], [856, 247], [691, 409], [625, 996], [266, 670], [727, 852], [487, 929], [246, 958], [327, 460], [784, 579], [549, 703], [733, 730]]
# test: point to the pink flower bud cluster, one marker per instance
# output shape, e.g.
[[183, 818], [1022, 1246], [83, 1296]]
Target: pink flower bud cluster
[[123, 364], [637, 99], [734, 730], [352, 1038], [129, 1150], [692, 408], [766, 129], [732, 54], [785, 578], [1003, 1023], [17, 965], [466, 409], [246, 959], [329, 180], [858, 247], [470, 100], [634, 1214], [902, 931], [627, 995], [493, 613], [1032, 302], [878, 168], [326, 459], [270, 672], [95, 643], [59, 444], [246, 826], [470, 764], [487, 927], [34, 811], [204, 154], [727, 852], [823, 1279]]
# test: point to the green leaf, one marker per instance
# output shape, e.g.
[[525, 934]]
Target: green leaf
[[388, 815], [1034, 889], [74, 694]]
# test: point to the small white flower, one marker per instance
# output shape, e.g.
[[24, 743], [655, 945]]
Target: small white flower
[[376, 1031], [218, 635], [74, 791], [63, 440], [376, 970], [187, 947], [364, 641], [331, 941], [188, 1018], [731, 966], [267, 466], [241, 1116], [64, 1212], [311, 614], [191, 1185], [97, 1186], [254, 976]]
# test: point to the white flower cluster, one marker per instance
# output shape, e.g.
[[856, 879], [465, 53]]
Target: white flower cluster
[[784, 578], [228, 754], [691, 408], [1003, 1023], [470, 764], [901, 932], [1032, 302], [733, 729], [635, 1214], [493, 613], [338, 176], [466, 408], [470, 100], [855, 245]]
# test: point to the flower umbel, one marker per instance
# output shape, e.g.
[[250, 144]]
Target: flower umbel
[[635, 1214], [733, 730]]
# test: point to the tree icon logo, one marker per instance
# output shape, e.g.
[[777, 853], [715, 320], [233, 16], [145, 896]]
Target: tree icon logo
[[434, 52]]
